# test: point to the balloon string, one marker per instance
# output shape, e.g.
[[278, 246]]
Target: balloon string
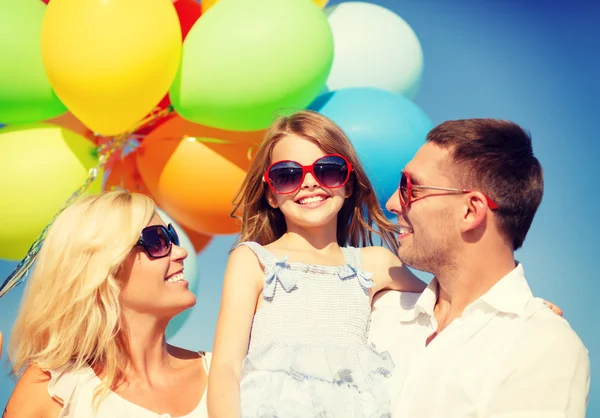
[[105, 151]]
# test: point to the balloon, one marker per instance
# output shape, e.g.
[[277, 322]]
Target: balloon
[[195, 178], [69, 121], [374, 47], [188, 12], [25, 92], [207, 4], [189, 271], [42, 165], [125, 175], [199, 240], [111, 61], [385, 128], [177, 127], [245, 60]]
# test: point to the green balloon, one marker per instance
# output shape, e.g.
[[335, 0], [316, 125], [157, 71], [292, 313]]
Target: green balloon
[[244, 61], [25, 92]]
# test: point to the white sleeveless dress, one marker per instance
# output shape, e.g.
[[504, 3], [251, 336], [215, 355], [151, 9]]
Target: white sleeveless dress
[[309, 355], [76, 391]]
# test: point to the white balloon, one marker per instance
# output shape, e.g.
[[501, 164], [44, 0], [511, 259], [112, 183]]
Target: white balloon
[[373, 47]]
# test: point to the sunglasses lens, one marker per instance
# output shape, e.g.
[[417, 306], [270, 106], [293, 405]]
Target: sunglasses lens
[[403, 189], [173, 235], [331, 171], [156, 241], [285, 177]]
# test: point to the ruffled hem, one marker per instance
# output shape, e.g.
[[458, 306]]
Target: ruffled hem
[[279, 395], [357, 365]]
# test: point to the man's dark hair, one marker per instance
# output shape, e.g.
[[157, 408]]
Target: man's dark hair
[[496, 158]]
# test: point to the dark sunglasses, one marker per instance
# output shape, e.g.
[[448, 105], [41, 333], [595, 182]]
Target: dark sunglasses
[[406, 187], [330, 171], [158, 240]]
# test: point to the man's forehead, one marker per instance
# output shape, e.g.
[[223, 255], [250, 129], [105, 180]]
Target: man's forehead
[[430, 161]]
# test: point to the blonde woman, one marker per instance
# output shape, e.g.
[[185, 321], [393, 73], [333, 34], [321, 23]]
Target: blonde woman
[[89, 338]]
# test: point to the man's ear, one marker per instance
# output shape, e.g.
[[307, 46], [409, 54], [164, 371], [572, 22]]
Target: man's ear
[[474, 212]]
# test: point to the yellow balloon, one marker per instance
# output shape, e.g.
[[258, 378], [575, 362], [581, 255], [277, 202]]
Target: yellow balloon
[[207, 4], [111, 61], [41, 165]]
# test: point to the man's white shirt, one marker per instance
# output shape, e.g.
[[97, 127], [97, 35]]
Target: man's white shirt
[[507, 356]]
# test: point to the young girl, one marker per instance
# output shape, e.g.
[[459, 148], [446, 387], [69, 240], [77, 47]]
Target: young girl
[[291, 338]]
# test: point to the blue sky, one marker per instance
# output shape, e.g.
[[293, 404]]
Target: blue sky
[[531, 62]]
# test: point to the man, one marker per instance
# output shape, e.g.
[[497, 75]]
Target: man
[[475, 343]]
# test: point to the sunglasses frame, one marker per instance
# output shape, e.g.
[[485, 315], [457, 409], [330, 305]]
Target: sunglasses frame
[[308, 169], [410, 186], [170, 235]]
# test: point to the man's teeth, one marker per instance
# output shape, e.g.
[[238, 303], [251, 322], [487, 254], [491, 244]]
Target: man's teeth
[[176, 278], [405, 230], [312, 199]]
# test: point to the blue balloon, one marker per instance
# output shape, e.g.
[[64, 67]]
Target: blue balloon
[[385, 128]]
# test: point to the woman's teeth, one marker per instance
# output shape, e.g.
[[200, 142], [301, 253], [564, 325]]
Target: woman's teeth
[[176, 278]]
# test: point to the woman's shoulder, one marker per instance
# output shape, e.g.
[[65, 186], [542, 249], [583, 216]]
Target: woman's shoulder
[[32, 395]]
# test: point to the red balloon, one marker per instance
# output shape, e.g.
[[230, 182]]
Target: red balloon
[[188, 11]]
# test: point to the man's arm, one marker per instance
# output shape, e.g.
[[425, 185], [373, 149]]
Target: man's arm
[[548, 376]]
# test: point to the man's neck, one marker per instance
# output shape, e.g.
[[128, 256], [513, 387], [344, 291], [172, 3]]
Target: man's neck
[[461, 286]]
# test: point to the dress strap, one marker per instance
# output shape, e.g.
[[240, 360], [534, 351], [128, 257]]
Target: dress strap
[[353, 257], [276, 271], [266, 258]]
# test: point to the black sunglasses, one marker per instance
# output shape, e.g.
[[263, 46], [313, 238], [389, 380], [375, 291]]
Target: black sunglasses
[[158, 240]]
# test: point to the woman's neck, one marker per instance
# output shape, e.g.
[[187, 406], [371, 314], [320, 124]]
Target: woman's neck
[[147, 347]]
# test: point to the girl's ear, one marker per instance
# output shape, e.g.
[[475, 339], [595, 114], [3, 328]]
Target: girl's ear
[[271, 199], [349, 187]]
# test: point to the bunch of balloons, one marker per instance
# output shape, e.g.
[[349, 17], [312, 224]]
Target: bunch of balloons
[[177, 93]]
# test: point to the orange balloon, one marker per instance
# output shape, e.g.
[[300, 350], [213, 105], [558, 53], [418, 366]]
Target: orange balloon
[[200, 241], [125, 175], [194, 172], [69, 121]]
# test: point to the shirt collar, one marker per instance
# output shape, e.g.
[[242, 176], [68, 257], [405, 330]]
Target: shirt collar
[[509, 295]]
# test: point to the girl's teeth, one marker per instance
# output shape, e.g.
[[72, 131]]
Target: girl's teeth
[[312, 200]]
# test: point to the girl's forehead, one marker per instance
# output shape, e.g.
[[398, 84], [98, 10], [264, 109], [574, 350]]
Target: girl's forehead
[[296, 148]]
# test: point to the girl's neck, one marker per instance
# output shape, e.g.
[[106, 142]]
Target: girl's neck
[[302, 241]]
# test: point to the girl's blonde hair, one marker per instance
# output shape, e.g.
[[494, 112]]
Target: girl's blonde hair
[[70, 315], [264, 224]]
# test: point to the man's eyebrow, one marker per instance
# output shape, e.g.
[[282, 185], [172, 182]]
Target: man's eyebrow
[[414, 178]]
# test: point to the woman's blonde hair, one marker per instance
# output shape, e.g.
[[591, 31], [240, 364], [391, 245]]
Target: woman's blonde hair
[[264, 224], [70, 315]]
